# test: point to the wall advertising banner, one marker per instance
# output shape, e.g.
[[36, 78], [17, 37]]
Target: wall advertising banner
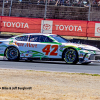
[[20, 25], [46, 26], [97, 29], [93, 29], [54, 26], [69, 27]]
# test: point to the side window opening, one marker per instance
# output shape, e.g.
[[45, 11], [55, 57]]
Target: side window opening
[[22, 38], [34, 38], [47, 39], [39, 38]]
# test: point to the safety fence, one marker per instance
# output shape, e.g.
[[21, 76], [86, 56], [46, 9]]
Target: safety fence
[[54, 26], [51, 9]]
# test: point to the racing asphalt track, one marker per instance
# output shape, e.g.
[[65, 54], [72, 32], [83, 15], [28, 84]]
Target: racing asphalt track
[[56, 66]]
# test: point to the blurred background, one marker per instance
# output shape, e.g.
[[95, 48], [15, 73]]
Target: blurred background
[[52, 9]]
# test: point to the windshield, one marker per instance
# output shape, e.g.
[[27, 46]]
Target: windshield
[[59, 38]]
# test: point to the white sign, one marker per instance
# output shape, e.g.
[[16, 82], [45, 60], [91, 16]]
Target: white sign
[[46, 26], [97, 29]]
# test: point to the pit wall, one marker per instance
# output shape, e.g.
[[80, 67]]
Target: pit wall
[[54, 26]]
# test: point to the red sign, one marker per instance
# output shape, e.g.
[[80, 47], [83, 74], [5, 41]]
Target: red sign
[[93, 29], [22, 25], [56, 26], [70, 28]]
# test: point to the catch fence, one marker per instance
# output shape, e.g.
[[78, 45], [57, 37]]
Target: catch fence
[[51, 9]]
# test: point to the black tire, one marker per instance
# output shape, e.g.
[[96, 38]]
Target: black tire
[[12, 54], [70, 56]]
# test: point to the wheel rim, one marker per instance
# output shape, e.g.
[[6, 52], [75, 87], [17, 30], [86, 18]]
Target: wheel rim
[[12, 53], [70, 55]]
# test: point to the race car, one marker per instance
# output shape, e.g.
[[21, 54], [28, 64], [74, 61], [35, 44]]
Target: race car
[[47, 46]]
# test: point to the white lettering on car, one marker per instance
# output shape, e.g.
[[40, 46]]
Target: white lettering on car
[[16, 24]]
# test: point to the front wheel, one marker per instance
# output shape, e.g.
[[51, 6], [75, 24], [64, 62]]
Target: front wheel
[[12, 53], [70, 56]]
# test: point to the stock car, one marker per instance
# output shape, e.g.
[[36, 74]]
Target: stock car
[[47, 46]]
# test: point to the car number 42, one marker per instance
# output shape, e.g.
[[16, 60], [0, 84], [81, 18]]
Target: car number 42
[[54, 48]]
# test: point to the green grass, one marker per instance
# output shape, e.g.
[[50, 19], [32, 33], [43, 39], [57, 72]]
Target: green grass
[[89, 74], [65, 73]]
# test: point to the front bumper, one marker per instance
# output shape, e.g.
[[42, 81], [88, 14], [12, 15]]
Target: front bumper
[[94, 58], [90, 57]]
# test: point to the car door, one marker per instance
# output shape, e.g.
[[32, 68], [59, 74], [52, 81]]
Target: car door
[[21, 42], [42, 46]]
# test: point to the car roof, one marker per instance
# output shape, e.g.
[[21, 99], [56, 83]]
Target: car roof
[[33, 34], [46, 34]]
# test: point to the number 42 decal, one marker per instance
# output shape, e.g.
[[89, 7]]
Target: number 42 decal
[[46, 49]]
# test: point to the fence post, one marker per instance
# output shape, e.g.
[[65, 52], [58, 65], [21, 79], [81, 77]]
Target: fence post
[[2, 13], [3, 8], [88, 15], [89, 10], [45, 12], [10, 8]]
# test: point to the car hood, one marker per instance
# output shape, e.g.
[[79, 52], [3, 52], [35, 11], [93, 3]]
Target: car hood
[[83, 46]]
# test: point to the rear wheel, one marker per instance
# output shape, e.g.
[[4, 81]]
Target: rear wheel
[[70, 56], [12, 53]]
